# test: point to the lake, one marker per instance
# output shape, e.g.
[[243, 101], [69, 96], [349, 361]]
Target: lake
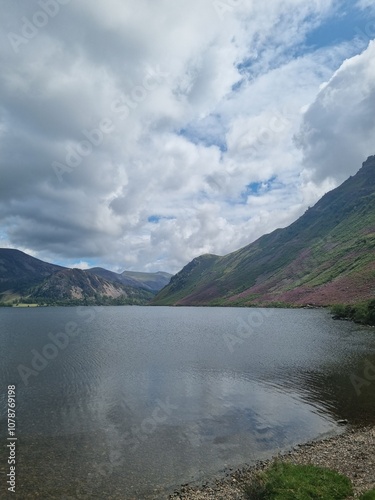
[[130, 402]]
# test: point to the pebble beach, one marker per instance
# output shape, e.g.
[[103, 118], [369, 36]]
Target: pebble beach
[[351, 453]]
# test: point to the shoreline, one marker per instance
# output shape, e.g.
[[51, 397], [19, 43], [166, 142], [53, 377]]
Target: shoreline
[[351, 453]]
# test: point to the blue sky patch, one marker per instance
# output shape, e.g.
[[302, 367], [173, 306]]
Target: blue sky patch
[[255, 189], [155, 219], [210, 132], [344, 26]]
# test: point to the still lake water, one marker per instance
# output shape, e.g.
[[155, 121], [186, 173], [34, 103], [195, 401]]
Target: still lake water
[[138, 400]]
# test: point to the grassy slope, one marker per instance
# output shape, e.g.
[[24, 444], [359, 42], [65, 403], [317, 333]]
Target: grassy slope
[[325, 257]]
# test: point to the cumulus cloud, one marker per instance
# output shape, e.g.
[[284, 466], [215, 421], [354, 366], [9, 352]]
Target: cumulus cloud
[[139, 134], [338, 128]]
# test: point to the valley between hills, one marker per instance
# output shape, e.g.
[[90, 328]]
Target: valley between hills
[[25, 281], [325, 258]]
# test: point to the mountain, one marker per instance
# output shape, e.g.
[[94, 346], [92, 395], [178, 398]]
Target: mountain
[[111, 276], [26, 279], [148, 281], [326, 257], [19, 271], [75, 285]]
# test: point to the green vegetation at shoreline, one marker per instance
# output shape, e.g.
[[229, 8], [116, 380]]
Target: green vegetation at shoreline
[[302, 482], [141, 299], [363, 313], [369, 495]]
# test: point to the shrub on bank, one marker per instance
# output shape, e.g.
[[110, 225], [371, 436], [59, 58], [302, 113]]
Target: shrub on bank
[[363, 312]]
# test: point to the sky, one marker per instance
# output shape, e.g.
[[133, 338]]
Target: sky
[[140, 134]]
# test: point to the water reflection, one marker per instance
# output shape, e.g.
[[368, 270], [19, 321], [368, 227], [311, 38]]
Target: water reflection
[[148, 398]]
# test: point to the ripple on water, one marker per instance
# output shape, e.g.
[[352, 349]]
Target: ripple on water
[[148, 398]]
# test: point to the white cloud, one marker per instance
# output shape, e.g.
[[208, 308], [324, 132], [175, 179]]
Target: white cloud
[[81, 265], [193, 107], [339, 127]]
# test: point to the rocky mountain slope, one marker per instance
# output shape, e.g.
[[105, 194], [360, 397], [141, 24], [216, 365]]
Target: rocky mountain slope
[[24, 279], [19, 271], [75, 285], [326, 257]]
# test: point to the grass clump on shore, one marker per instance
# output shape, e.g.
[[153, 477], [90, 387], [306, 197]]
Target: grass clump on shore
[[363, 312], [300, 482], [369, 495]]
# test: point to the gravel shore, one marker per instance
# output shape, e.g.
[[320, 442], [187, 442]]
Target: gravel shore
[[351, 453]]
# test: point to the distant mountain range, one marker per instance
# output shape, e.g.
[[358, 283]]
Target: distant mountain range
[[326, 257], [25, 279], [149, 281]]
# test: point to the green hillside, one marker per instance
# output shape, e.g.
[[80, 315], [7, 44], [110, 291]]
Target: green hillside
[[327, 256]]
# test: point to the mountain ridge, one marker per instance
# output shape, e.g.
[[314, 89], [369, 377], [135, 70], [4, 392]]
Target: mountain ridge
[[26, 279], [19, 269], [149, 281], [325, 257]]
